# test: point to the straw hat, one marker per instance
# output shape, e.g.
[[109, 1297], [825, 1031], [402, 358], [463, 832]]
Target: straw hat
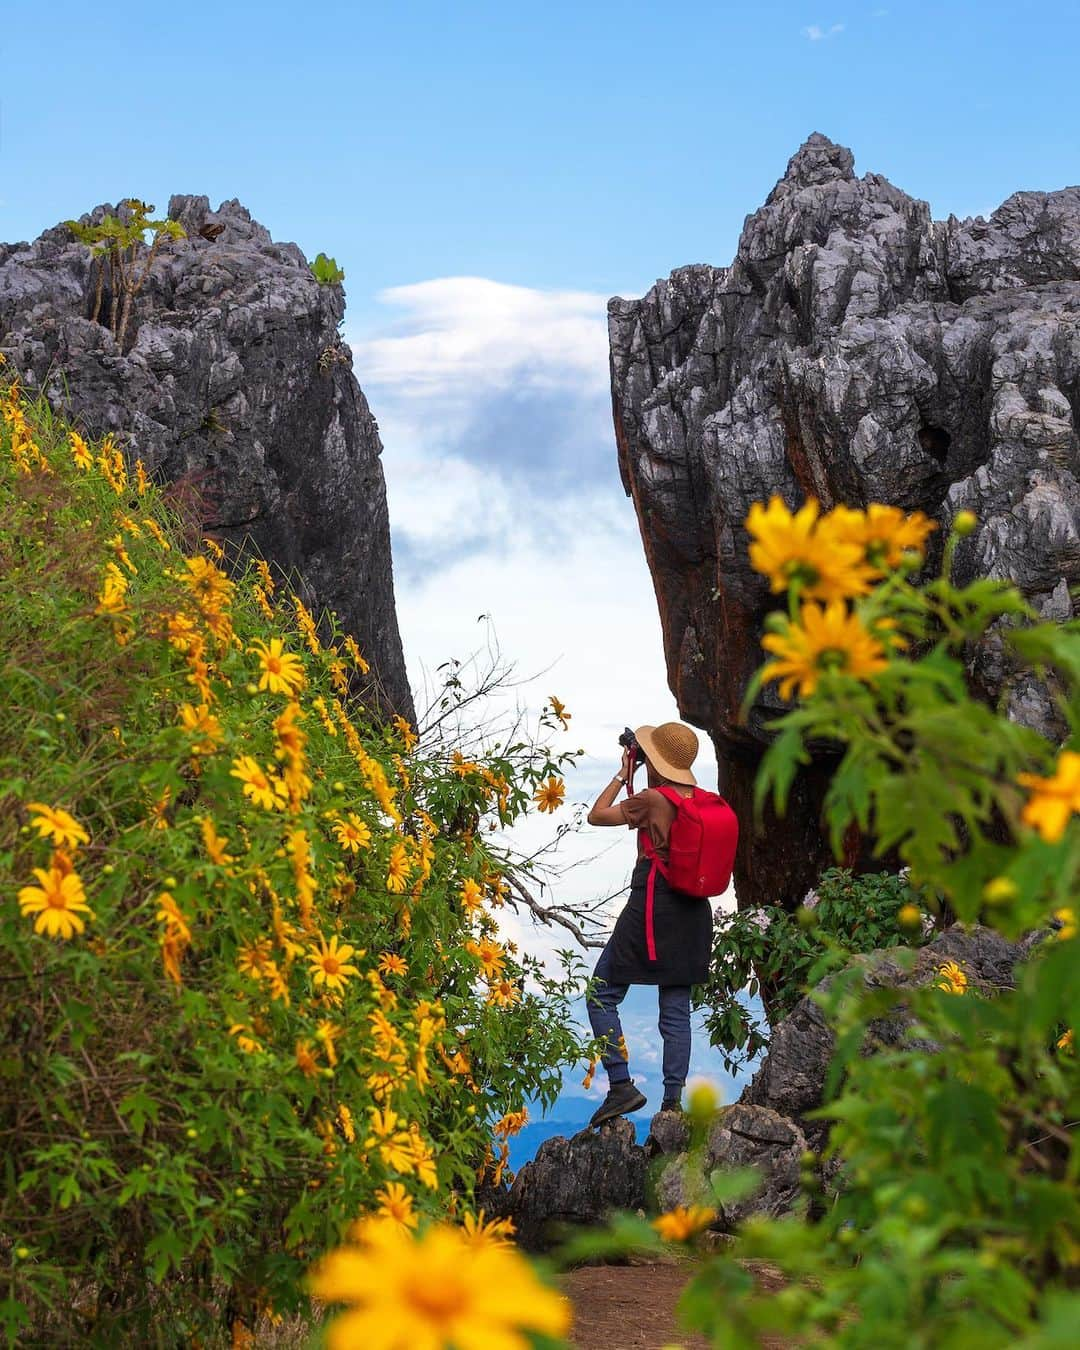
[[671, 749]]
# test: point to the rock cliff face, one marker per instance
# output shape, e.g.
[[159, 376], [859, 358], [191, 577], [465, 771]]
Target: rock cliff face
[[856, 351], [233, 383]]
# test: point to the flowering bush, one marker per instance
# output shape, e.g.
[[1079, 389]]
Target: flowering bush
[[782, 953], [955, 1220], [251, 987]]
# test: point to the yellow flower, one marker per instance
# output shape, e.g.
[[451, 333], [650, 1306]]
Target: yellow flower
[[462, 766], [1065, 1042], [791, 549], [330, 964], [470, 895], [487, 1230], [80, 452], [209, 585], [305, 1059], [559, 711], [58, 902], [1053, 800], [504, 993], [952, 979], [397, 1204], [549, 795], [827, 638], [142, 482], [349, 643], [52, 822], [1067, 918], [327, 1033], [392, 964], [254, 959], [884, 533], [156, 530], [348, 1129], [405, 731], [511, 1123], [169, 914], [491, 956], [214, 844], [282, 673], [430, 1293], [264, 789], [244, 1039], [398, 869], [352, 833], [680, 1223], [263, 569], [200, 723]]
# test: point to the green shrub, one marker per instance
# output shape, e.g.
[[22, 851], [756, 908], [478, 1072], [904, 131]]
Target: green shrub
[[250, 985], [326, 271], [780, 954]]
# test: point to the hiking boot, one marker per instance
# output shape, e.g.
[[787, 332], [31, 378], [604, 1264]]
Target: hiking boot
[[622, 1098], [671, 1104]]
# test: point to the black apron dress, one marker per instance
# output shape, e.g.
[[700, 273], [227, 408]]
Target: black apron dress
[[681, 935]]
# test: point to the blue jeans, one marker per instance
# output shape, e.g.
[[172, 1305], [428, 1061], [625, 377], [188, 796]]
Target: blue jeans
[[603, 1008]]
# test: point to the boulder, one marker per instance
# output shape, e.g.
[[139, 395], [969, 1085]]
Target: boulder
[[743, 1135], [577, 1182], [235, 387], [791, 1079], [855, 350]]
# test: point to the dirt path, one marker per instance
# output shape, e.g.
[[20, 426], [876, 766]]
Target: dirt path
[[633, 1307]]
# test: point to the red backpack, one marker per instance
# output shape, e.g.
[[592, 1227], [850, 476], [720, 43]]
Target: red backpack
[[701, 844]]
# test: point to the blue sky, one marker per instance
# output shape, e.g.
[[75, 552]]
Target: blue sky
[[583, 146], [488, 175]]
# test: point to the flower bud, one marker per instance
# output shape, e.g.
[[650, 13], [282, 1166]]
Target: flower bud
[[251, 688], [1000, 891], [965, 523], [171, 883], [192, 1132], [703, 1101], [909, 916], [776, 622], [338, 785], [22, 1253], [108, 869], [60, 717]]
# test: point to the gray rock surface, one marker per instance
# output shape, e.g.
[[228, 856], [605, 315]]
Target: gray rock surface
[[577, 1181], [234, 385], [743, 1136], [856, 351], [791, 1079]]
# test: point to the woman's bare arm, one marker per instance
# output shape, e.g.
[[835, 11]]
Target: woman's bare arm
[[604, 811]]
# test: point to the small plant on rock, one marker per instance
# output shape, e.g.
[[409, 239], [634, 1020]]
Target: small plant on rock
[[117, 244]]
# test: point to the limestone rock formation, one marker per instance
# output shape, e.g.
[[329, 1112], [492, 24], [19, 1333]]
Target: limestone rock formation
[[577, 1181], [791, 1079], [233, 384], [743, 1136], [856, 351]]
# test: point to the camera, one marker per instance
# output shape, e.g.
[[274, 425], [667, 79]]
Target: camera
[[629, 742]]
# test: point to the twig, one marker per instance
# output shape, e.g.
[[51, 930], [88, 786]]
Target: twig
[[548, 914]]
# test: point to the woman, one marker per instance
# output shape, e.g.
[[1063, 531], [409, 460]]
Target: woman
[[665, 939]]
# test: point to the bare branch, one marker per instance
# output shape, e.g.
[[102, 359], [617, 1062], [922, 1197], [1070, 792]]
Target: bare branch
[[548, 914]]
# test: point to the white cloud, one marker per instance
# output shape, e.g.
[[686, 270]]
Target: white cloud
[[818, 32], [457, 334]]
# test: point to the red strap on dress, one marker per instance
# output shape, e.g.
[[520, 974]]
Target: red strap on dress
[[650, 932]]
